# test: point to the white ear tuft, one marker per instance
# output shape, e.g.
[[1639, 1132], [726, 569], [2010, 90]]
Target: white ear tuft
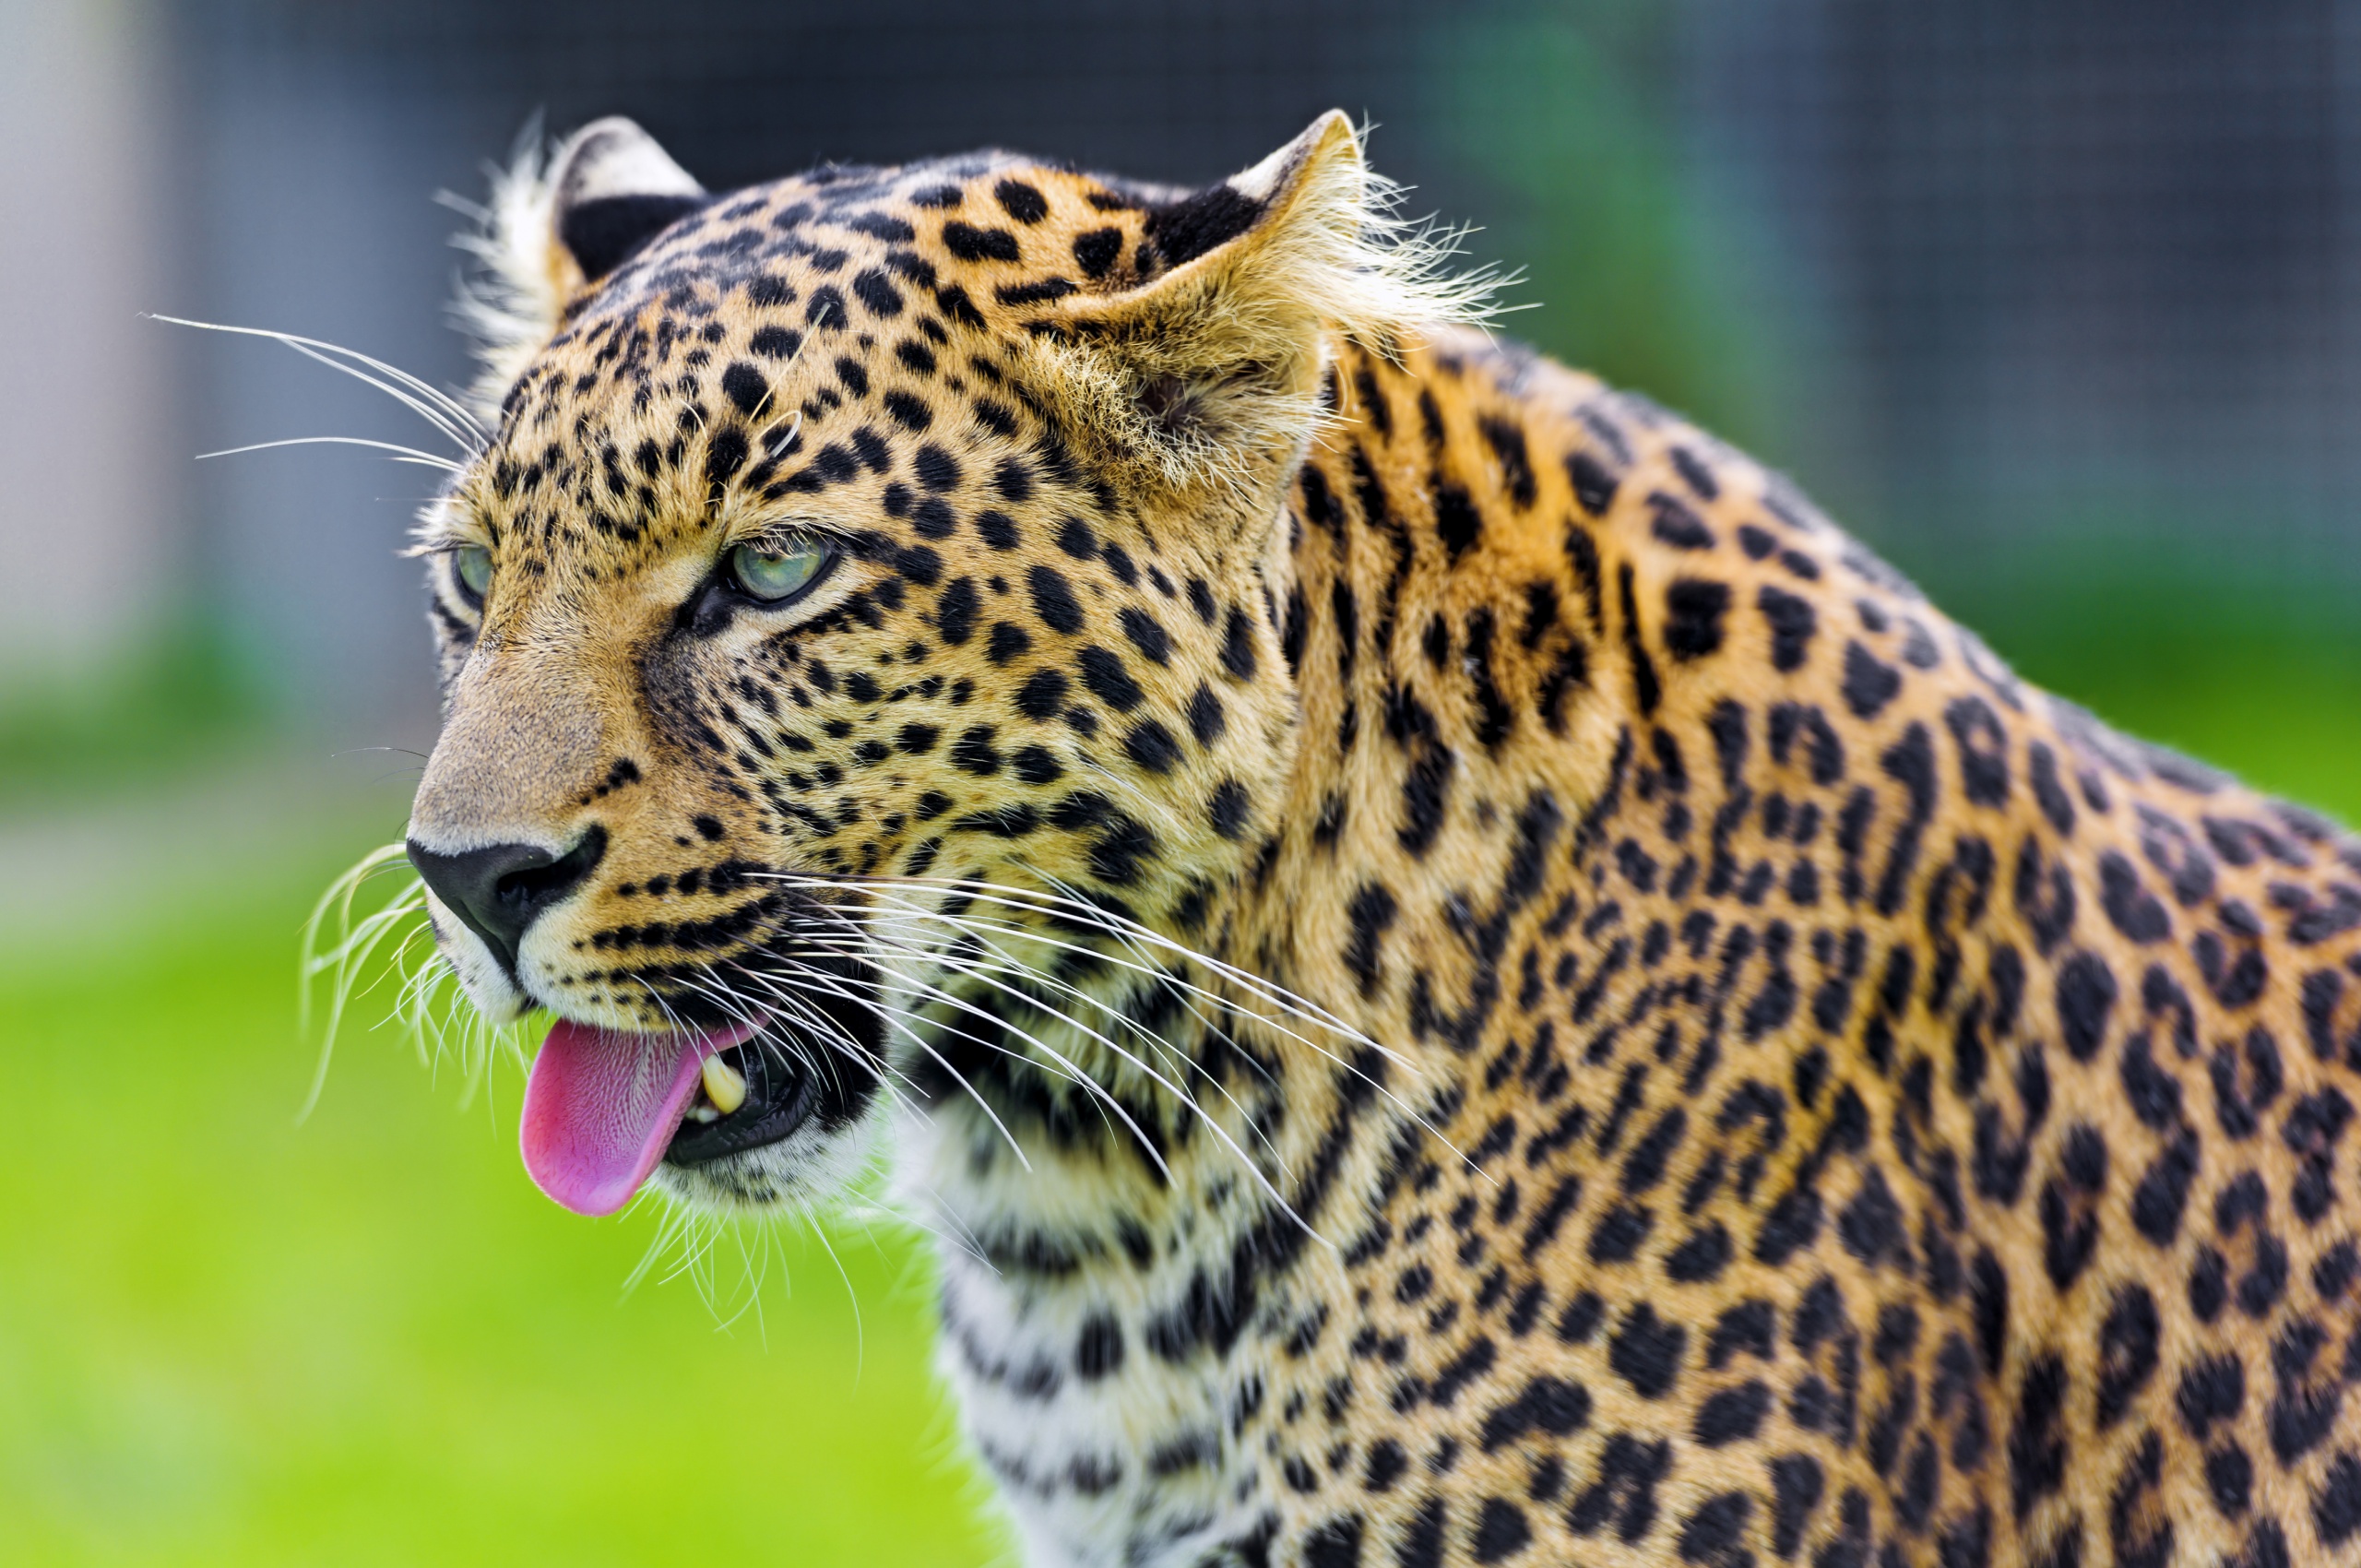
[[559, 219], [511, 306], [1346, 254]]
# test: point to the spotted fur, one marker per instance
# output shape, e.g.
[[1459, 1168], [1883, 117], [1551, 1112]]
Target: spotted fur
[[1769, 1086]]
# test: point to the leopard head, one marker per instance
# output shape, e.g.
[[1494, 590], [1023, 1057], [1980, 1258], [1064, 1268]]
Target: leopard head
[[864, 624]]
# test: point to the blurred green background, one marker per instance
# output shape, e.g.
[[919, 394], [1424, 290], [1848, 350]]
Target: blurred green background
[[2060, 307]]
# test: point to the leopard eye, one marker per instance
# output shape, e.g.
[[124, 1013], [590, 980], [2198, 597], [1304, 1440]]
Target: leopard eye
[[473, 564], [775, 573]]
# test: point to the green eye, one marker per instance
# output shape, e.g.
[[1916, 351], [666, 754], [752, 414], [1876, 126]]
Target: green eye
[[473, 563], [773, 573]]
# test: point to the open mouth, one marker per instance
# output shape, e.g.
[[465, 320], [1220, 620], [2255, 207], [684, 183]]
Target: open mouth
[[604, 1107], [747, 1096]]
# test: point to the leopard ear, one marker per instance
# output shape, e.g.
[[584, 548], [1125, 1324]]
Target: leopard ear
[[613, 189], [1204, 380], [559, 221]]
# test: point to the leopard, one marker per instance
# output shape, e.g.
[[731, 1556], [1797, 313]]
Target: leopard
[[1451, 972]]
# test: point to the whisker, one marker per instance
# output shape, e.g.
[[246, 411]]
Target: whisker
[[402, 453], [970, 975], [396, 933], [887, 1018], [985, 972], [1068, 1070], [1080, 912], [1163, 1082], [1167, 977], [670, 1018], [669, 1229], [830, 1035], [1084, 913], [350, 950], [438, 408], [860, 1340]]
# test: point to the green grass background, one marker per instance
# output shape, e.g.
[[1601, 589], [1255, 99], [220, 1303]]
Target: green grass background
[[225, 1338]]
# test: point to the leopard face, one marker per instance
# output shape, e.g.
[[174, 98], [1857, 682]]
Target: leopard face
[[854, 546]]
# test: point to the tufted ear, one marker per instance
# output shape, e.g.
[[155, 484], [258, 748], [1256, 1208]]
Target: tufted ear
[[1204, 381], [611, 189], [556, 225]]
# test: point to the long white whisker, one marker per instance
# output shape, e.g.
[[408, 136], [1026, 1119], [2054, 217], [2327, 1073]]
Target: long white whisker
[[955, 964], [886, 1016], [1136, 1062], [1031, 902], [1262, 990], [1068, 1072], [672, 1018], [440, 407], [966, 1240], [713, 986], [1167, 977], [859, 1341], [1186, 992], [343, 960], [465, 436], [402, 454], [1080, 911], [992, 980], [445, 412], [1069, 1069], [668, 1229]]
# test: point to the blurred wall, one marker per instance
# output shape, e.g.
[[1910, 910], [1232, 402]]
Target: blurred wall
[[2083, 266], [91, 541], [318, 170]]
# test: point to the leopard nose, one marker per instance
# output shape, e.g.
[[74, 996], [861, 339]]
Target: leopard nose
[[501, 890]]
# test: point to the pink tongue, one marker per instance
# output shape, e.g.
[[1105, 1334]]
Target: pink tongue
[[601, 1105]]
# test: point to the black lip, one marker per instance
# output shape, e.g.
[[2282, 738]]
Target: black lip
[[793, 1076], [780, 1097]]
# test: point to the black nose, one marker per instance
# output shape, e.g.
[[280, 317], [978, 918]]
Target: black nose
[[501, 890]]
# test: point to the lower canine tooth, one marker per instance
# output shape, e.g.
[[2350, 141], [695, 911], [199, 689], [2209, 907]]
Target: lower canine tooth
[[723, 1085]]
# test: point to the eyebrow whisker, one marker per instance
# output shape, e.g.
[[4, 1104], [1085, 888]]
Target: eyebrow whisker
[[402, 454]]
